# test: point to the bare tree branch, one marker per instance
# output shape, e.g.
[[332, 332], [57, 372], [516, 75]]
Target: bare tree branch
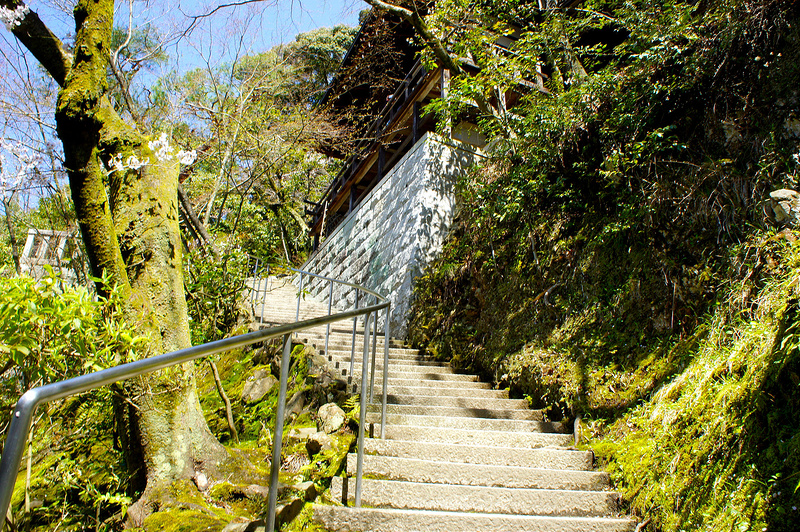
[[40, 41]]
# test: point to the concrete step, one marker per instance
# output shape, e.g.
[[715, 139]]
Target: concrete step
[[470, 385], [541, 457], [455, 411], [342, 519], [443, 391], [405, 367], [472, 403], [395, 354], [419, 376], [438, 472], [400, 365], [396, 349], [454, 498], [420, 426]]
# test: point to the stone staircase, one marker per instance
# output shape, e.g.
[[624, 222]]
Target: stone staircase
[[457, 455]]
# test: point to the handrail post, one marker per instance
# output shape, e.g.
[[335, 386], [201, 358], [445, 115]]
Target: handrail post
[[14, 448], [328, 329], [277, 439], [374, 350], [362, 414], [386, 329], [263, 298], [299, 294], [353, 343]]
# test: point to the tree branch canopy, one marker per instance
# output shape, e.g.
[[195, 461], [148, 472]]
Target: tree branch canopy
[[424, 31], [29, 29]]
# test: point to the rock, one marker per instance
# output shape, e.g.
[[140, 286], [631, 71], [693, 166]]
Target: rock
[[308, 489], [258, 386], [201, 481], [318, 364], [251, 526], [286, 512], [331, 418], [785, 204], [295, 405], [299, 434], [254, 490], [319, 441]]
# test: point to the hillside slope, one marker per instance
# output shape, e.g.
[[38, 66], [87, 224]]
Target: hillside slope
[[619, 259]]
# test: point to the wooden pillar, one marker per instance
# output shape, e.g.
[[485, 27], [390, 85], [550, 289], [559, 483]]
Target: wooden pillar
[[415, 124], [381, 163], [444, 87]]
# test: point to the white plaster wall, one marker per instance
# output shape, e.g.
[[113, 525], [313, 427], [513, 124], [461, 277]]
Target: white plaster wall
[[396, 231]]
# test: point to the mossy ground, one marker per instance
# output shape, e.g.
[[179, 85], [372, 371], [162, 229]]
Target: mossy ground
[[78, 479]]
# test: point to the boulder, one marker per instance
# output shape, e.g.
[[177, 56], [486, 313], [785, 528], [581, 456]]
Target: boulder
[[331, 418], [785, 206], [257, 386]]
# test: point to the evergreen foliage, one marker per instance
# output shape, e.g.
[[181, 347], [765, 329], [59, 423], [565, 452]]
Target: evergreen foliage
[[597, 254]]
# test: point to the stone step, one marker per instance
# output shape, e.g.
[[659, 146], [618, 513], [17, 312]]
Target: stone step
[[421, 425], [395, 353], [408, 368], [343, 519], [400, 364], [438, 472], [471, 403], [455, 498], [429, 384], [443, 391], [461, 412], [546, 456], [343, 328], [417, 376]]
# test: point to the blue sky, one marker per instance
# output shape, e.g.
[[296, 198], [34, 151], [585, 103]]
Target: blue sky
[[261, 25]]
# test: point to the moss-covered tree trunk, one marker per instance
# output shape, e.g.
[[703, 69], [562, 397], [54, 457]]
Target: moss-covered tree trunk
[[125, 199]]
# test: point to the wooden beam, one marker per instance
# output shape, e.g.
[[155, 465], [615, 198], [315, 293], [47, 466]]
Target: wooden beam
[[358, 172]]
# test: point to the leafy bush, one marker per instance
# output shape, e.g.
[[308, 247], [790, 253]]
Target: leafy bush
[[214, 294], [50, 331]]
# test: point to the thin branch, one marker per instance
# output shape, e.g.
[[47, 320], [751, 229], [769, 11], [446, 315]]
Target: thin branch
[[41, 42]]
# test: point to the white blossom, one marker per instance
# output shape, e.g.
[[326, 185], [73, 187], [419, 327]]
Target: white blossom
[[134, 163], [161, 147], [115, 163], [187, 157], [13, 18], [17, 170]]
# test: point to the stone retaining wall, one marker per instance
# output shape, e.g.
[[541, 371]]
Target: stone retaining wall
[[396, 231]]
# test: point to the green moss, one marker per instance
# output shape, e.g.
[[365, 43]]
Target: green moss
[[183, 520]]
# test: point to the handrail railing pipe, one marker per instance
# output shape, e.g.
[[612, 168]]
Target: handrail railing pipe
[[362, 413], [23, 411]]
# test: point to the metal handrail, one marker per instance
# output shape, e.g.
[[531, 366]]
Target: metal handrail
[[24, 409]]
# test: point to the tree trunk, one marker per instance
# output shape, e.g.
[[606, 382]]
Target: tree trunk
[[12, 235], [129, 222]]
